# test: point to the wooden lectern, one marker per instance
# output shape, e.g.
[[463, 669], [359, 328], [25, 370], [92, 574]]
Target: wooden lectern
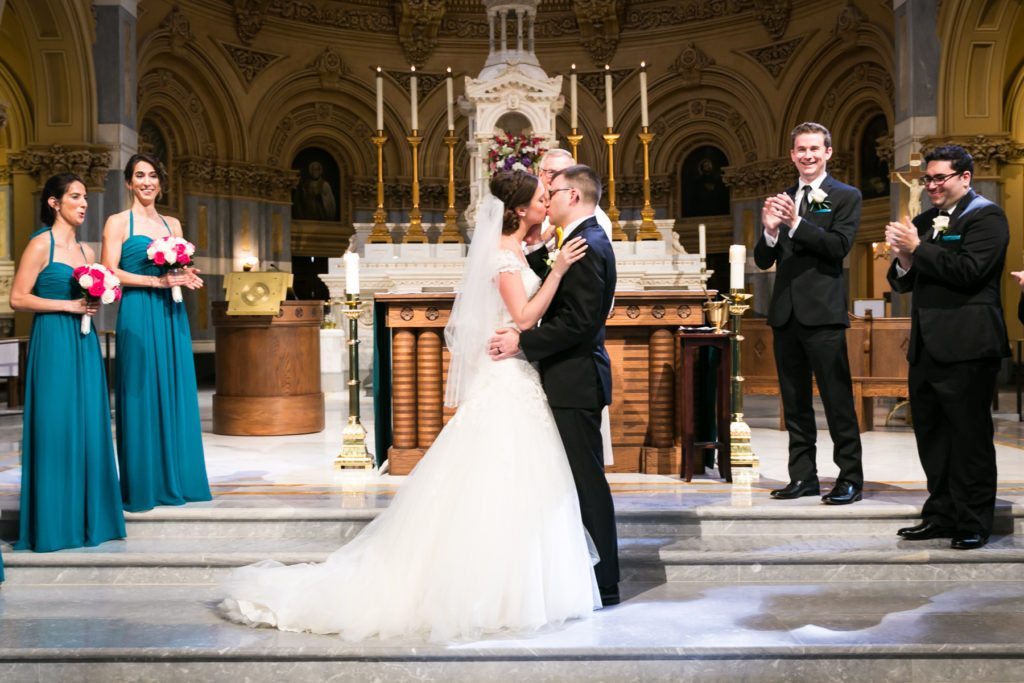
[[268, 359]]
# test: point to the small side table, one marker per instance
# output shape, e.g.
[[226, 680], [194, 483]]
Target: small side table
[[690, 342]]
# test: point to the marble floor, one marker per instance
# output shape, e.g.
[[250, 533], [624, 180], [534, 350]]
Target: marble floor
[[814, 591]]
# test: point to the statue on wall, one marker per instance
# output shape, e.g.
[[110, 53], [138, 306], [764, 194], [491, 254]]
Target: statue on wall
[[315, 198]]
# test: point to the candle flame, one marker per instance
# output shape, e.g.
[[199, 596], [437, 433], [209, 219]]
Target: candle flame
[[449, 69], [643, 65], [607, 68], [573, 67], [414, 67]]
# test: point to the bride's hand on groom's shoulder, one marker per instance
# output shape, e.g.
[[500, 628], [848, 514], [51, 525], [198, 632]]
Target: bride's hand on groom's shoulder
[[504, 344], [571, 252]]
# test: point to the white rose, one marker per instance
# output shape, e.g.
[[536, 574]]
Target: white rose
[[171, 256], [85, 281], [518, 167], [107, 297], [818, 196], [151, 251], [940, 223], [113, 281]]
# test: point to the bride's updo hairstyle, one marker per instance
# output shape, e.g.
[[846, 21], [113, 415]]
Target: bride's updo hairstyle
[[514, 189]]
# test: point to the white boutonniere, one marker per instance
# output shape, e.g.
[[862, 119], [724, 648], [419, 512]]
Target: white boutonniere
[[553, 254], [818, 202], [940, 223]]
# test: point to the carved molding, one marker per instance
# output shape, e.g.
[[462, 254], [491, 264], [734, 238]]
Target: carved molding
[[3, 115], [759, 179], [5, 175], [347, 125], [690, 63], [849, 21], [398, 193], [990, 152], [89, 161], [179, 27], [593, 81], [331, 68], [776, 56], [600, 26], [374, 21], [774, 16], [418, 26], [170, 84], [425, 82], [865, 72], [249, 16], [675, 13], [211, 176], [247, 62], [730, 122]]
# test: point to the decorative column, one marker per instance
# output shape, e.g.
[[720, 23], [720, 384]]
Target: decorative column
[[114, 58], [6, 236], [403, 387], [429, 399]]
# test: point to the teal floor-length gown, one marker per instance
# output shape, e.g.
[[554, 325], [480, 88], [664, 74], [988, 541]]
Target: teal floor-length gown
[[69, 491], [159, 437]]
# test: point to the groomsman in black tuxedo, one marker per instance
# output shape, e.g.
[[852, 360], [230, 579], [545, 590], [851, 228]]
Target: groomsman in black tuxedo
[[808, 231], [574, 366], [952, 259]]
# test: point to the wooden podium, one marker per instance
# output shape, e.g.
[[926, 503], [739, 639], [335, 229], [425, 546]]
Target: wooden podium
[[268, 371]]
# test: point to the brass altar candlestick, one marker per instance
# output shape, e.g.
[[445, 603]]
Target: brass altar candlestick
[[740, 452], [574, 139], [613, 212], [648, 230], [416, 233], [380, 233], [451, 228], [354, 454]]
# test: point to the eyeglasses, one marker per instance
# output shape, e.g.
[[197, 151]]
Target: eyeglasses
[[545, 171], [551, 193], [939, 179]]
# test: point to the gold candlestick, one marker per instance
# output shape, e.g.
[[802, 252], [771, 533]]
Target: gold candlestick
[[354, 454], [416, 233], [740, 452], [648, 230], [613, 212], [574, 141], [380, 233], [450, 234]]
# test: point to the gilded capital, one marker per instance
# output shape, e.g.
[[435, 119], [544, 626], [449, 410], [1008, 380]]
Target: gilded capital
[[92, 162]]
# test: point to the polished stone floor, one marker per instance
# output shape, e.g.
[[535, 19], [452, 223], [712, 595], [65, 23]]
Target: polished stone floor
[[722, 583]]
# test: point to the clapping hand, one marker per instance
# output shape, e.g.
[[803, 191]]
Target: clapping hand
[[778, 210], [1018, 275]]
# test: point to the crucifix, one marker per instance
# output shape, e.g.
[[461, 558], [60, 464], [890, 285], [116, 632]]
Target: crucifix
[[912, 179]]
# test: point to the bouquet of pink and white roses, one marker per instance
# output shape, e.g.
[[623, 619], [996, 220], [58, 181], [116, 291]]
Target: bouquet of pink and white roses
[[171, 253], [99, 284]]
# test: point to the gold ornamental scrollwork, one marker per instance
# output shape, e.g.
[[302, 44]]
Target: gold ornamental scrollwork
[[212, 177], [89, 161], [418, 28], [989, 151]]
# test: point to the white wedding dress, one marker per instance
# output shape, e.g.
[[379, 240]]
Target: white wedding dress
[[484, 535]]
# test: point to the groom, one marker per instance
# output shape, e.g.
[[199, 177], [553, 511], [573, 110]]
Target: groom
[[574, 365]]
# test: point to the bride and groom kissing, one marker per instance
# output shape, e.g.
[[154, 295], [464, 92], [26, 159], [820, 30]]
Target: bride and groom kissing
[[507, 523]]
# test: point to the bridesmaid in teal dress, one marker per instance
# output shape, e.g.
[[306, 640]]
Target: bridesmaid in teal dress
[[69, 491], [159, 438]]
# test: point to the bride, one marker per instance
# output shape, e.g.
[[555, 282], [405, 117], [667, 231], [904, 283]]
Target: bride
[[485, 534]]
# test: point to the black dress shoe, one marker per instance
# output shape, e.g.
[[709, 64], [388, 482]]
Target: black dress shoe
[[797, 489], [843, 493], [609, 595], [968, 541], [924, 531]]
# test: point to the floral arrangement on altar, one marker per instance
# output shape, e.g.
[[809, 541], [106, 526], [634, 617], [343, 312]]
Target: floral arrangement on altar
[[510, 152], [99, 285]]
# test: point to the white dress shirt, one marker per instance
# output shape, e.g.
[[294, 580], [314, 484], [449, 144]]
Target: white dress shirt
[[814, 185]]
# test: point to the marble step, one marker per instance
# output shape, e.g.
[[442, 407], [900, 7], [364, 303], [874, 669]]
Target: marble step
[[768, 559], [805, 517], [927, 631]]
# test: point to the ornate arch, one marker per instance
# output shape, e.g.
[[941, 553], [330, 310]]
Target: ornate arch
[[196, 78]]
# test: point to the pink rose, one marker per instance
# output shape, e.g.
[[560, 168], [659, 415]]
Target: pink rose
[[159, 259], [80, 271], [97, 289]]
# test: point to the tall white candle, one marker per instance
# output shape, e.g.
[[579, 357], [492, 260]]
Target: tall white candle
[[380, 99], [415, 108], [643, 94], [737, 264], [609, 117], [573, 118], [702, 240], [351, 259], [451, 100]]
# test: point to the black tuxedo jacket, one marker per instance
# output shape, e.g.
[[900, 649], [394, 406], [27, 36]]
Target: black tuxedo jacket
[[569, 342], [809, 282], [957, 311]]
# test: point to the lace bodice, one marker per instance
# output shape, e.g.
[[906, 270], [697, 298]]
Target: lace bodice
[[506, 261]]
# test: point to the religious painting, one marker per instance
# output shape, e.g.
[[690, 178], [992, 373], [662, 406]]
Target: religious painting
[[316, 197], [703, 191], [874, 170]]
